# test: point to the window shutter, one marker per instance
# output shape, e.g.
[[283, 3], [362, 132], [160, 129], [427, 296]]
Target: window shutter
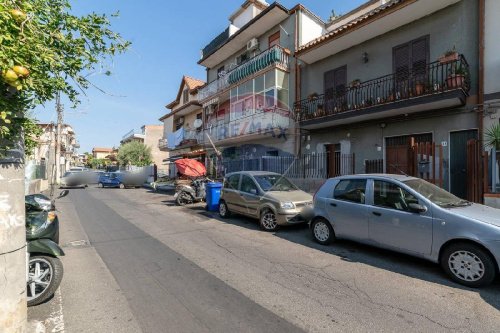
[[340, 80], [329, 84], [401, 56], [419, 54]]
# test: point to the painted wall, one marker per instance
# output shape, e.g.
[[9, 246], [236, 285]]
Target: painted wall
[[309, 29], [245, 16], [492, 48], [456, 25]]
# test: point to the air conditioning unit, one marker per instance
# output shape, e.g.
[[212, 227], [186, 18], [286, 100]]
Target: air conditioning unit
[[180, 120], [252, 44]]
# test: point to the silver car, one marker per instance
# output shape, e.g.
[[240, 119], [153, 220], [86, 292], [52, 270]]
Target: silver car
[[267, 196], [412, 216]]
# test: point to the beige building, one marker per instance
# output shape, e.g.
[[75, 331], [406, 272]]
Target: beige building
[[150, 135], [183, 126], [101, 152]]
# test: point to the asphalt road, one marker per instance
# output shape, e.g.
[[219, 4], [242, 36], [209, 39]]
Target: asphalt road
[[147, 265]]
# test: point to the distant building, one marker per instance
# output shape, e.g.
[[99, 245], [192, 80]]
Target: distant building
[[101, 152], [150, 136]]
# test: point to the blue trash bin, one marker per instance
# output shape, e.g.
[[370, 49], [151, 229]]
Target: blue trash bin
[[213, 196]]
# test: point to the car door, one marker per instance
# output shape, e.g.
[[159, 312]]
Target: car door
[[230, 193], [393, 224], [347, 210], [249, 196]]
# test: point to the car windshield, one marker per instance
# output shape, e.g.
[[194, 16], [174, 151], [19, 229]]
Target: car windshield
[[66, 174], [274, 183], [435, 194]]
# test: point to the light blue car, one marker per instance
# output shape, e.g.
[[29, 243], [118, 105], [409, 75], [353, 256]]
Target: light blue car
[[412, 216]]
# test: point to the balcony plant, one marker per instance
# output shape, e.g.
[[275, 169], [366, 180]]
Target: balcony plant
[[355, 83], [492, 136], [449, 56], [456, 78], [313, 96]]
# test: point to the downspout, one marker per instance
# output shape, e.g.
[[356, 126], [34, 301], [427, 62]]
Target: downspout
[[481, 89], [297, 82]]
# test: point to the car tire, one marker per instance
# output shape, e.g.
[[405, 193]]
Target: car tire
[[468, 264], [183, 198], [53, 277], [100, 185], [224, 210], [322, 231], [268, 221], [122, 186]]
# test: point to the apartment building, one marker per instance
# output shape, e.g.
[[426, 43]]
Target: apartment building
[[149, 135]]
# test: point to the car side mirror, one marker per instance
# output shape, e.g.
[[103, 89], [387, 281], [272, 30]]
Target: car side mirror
[[417, 208], [63, 194]]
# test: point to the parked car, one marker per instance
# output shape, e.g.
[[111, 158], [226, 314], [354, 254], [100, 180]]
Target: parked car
[[120, 179], [412, 216], [267, 196], [73, 179]]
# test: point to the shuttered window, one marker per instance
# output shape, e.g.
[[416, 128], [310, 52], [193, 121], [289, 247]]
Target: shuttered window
[[335, 82], [411, 59]]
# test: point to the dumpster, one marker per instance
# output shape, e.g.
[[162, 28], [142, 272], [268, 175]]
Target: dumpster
[[213, 196]]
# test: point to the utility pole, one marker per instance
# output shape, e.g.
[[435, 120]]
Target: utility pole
[[59, 110]]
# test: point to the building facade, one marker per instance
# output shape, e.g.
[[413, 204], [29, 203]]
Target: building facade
[[390, 78], [149, 135]]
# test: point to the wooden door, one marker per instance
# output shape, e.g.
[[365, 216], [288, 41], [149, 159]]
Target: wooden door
[[458, 161]]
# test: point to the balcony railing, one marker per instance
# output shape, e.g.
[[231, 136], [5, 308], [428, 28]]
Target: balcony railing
[[434, 78], [275, 55], [132, 133], [162, 143], [273, 122], [215, 43]]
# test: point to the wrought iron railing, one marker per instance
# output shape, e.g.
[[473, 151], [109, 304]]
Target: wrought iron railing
[[215, 43], [435, 78], [273, 122], [131, 133], [275, 55]]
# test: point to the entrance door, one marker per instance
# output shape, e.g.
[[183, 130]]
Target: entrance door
[[458, 161], [399, 154], [333, 160]]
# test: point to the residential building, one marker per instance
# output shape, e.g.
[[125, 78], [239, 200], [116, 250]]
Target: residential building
[[251, 80], [183, 134], [149, 135], [394, 84], [101, 152]]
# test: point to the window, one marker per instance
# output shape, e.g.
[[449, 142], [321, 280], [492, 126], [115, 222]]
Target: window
[[185, 96], [335, 82], [220, 72], [248, 185], [232, 182], [410, 62], [274, 39], [389, 195], [242, 58], [352, 190], [275, 183]]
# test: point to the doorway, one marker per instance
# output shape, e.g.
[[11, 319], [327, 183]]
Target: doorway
[[458, 161]]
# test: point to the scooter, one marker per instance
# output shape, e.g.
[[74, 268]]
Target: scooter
[[187, 194], [45, 269]]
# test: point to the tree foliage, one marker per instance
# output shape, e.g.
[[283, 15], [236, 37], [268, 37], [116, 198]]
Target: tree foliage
[[45, 50], [134, 153], [493, 136]]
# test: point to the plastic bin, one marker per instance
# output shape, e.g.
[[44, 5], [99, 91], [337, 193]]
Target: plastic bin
[[213, 196]]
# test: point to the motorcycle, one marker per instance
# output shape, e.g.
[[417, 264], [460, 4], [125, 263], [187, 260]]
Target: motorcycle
[[195, 192], [45, 269]]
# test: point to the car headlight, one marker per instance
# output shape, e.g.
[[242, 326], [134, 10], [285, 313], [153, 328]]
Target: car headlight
[[287, 205]]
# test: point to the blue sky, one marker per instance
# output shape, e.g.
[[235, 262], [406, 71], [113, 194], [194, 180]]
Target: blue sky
[[166, 40]]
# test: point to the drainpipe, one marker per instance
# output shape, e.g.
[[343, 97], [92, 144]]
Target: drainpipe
[[297, 81], [481, 86]]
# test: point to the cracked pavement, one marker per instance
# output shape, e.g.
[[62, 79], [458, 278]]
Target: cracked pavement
[[284, 280]]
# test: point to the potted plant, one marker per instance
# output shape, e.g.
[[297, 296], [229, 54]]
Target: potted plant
[[456, 78], [419, 88], [492, 136], [355, 83], [312, 96], [449, 56]]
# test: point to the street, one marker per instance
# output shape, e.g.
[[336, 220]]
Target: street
[[136, 262]]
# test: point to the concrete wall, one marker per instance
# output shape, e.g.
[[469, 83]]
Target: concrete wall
[[309, 29], [455, 26], [153, 133]]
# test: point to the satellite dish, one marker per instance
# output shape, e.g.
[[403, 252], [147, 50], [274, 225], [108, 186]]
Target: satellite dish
[[198, 123]]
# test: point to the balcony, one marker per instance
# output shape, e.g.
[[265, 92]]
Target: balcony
[[184, 139], [215, 43], [439, 85], [267, 123], [163, 144], [133, 135], [275, 56]]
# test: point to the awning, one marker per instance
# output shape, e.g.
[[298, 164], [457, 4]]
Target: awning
[[255, 65]]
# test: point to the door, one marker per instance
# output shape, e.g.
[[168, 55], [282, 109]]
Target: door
[[334, 85], [333, 159], [230, 193], [458, 161], [249, 196], [347, 210], [399, 154], [392, 224], [410, 65]]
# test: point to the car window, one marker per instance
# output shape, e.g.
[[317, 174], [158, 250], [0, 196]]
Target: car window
[[390, 195], [248, 185], [274, 182], [112, 176], [232, 182], [352, 190]]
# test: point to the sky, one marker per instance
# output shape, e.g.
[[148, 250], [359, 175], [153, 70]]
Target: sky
[[166, 37]]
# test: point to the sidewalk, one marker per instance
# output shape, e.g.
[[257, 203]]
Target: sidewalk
[[89, 299]]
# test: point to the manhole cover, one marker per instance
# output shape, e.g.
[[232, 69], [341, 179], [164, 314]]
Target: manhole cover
[[77, 243]]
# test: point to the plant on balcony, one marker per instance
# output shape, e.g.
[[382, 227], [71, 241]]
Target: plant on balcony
[[456, 78], [355, 83], [312, 96], [449, 56]]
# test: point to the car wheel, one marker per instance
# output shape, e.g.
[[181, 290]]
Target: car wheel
[[468, 264], [100, 185], [322, 231], [44, 276], [122, 186], [183, 198], [224, 210], [268, 221]]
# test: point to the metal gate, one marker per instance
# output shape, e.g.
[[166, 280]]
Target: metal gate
[[459, 169]]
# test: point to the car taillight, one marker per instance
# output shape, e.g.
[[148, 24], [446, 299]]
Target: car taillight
[[51, 216]]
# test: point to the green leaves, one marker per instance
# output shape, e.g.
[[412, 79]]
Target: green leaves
[[134, 153], [493, 136]]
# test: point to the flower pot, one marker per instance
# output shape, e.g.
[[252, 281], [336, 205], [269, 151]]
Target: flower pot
[[455, 81], [448, 58]]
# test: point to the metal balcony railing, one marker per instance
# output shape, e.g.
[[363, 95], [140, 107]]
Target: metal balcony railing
[[215, 43], [275, 55], [433, 78], [132, 133]]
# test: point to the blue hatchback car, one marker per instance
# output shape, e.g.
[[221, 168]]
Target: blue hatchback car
[[110, 179]]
